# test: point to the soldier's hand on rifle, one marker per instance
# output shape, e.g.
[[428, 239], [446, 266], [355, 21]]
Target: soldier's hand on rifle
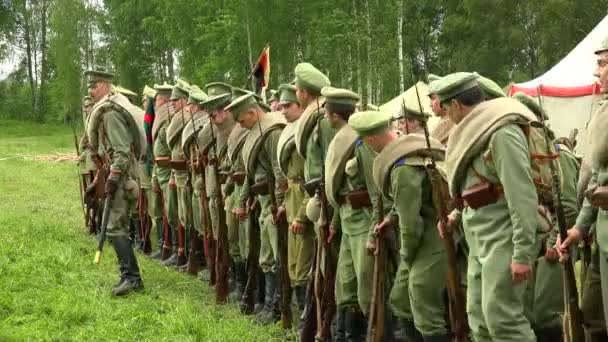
[[520, 272], [371, 247], [380, 227], [111, 185], [279, 215], [332, 233], [447, 227], [297, 227], [551, 255], [574, 236], [240, 212]]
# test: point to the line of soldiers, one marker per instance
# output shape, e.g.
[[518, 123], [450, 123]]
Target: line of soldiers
[[343, 209]]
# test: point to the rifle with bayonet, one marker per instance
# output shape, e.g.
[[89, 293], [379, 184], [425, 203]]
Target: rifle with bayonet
[[181, 233], [440, 197], [575, 315], [282, 228], [222, 261]]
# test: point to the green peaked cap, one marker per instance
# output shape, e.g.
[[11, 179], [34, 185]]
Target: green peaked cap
[[287, 94], [241, 104], [94, 76], [180, 90], [340, 96], [603, 46], [531, 103], [196, 96], [217, 88], [164, 89], [490, 88], [453, 84], [216, 102], [310, 78], [370, 122]]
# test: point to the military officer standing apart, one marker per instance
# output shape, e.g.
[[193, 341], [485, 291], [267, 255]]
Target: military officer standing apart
[[346, 185], [263, 175], [488, 166], [400, 173], [595, 205], [115, 128], [301, 232]]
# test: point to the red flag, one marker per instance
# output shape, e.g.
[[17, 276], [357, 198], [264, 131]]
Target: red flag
[[261, 70]]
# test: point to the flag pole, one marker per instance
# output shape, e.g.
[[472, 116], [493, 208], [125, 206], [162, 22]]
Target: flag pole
[[253, 67]]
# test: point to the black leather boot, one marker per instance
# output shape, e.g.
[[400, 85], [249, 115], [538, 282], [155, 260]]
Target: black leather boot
[[437, 338], [339, 332], [411, 333], [132, 281], [272, 298], [549, 334], [261, 292], [300, 294], [356, 325]]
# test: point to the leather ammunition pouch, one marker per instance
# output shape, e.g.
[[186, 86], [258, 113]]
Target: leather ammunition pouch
[[238, 177], [163, 161], [599, 198], [180, 165], [197, 167], [358, 199], [312, 186], [260, 188], [224, 176], [482, 194]]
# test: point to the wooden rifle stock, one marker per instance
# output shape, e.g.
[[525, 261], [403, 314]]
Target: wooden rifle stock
[[310, 310], [457, 307], [282, 227], [145, 223], [248, 299], [104, 227], [577, 331], [375, 327], [208, 241], [222, 261], [326, 303]]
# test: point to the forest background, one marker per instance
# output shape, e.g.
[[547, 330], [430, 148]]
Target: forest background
[[375, 47]]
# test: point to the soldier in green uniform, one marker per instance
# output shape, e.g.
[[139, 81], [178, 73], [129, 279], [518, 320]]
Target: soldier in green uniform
[[219, 97], [162, 166], [594, 206], [222, 126], [237, 228], [400, 173], [546, 291], [87, 169], [261, 165], [154, 198], [347, 180], [488, 167], [122, 139], [301, 232], [190, 146], [410, 121], [179, 169]]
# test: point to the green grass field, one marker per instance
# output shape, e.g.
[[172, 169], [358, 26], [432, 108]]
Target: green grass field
[[50, 290]]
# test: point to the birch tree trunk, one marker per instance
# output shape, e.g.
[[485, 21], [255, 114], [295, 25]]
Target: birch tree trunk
[[400, 52]]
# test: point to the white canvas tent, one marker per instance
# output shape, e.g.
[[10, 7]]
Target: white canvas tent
[[569, 89], [410, 100]]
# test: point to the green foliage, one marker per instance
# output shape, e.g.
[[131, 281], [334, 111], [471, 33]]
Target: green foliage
[[355, 42]]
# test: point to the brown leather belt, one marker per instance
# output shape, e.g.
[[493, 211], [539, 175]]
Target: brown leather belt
[[238, 177], [260, 188], [163, 161], [599, 198], [481, 195], [180, 165], [358, 199]]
